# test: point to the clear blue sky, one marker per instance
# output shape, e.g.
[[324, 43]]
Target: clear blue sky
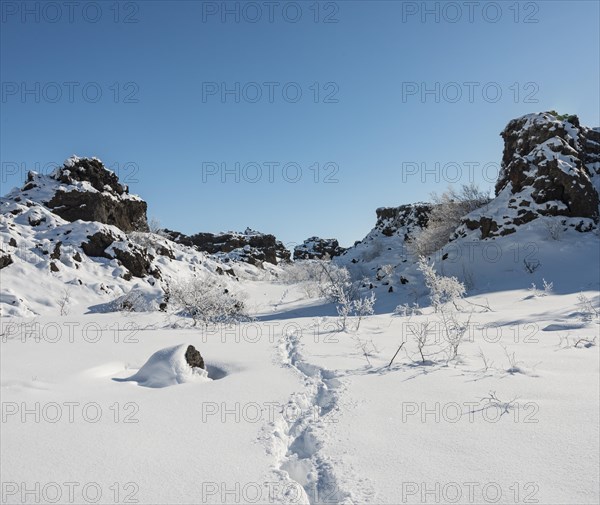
[[161, 142]]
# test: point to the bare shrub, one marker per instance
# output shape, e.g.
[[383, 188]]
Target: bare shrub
[[207, 301], [446, 214], [64, 302], [442, 289]]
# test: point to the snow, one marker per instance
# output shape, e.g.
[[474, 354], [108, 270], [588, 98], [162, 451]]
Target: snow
[[167, 367], [295, 414], [98, 399]]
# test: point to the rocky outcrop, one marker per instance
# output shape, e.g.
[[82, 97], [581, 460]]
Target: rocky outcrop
[[405, 219], [318, 248], [83, 188], [134, 258], [386, 243], [250, 246], [550, 167]]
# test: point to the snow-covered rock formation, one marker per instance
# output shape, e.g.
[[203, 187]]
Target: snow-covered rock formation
[[249, 246], [550, 167], [316, 248], [83, 188], [73, 234]]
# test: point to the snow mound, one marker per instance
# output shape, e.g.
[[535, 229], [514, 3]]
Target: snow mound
[[167, 367]]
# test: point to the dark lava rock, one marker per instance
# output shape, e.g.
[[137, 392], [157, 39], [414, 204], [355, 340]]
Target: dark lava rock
[[194, 358], [135, 259], [548, 169], [5, 260], [318, 248], [250, 246], [56, 253], [97, 244], [405, 219], [109, 204]]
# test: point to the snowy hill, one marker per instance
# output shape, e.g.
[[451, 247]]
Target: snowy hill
[[74, 232]]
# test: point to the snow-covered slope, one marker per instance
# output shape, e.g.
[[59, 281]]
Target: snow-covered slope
[[52, 265]]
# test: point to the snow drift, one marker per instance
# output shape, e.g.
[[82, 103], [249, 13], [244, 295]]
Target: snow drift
[[167, 367]]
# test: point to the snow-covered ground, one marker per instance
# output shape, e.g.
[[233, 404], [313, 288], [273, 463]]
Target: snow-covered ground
[[294, 412], [488, 398]]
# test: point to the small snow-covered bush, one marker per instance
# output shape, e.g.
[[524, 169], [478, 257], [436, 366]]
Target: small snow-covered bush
[[554, 227], [336, 284], [538, 293], [453, 331], [358, 308], [137, 299], [442, 289], [318, 278], [363, 307], [154, 226], [587, 310], [406, 310], [421, 334], [385, 271], [207, 301], [64, 302]]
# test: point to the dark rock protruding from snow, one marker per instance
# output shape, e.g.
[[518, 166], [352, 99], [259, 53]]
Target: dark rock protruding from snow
[[550, 167], [83, 188], [318, 248], [133, 257], [405, 219], [250, 246], [194, 358], [5, 260]]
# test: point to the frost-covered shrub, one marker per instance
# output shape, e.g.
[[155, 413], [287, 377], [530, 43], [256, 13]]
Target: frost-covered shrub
[[319, 278], [207, 301], [587, 310], [385, 271], [357, 309], [147, 240], [64, 302], [442, 289], [538, 293], [306, 273], [137, 299], [406, 310], [337, 285], [453, 331], [447, 211], [554, 227]]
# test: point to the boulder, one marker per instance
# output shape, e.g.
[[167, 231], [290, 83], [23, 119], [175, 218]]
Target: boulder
[[134, 258], [194, 358], [5, 260]]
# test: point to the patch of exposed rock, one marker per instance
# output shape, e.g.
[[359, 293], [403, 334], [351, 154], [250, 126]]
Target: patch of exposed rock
[[250, 246], [318, 248]]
